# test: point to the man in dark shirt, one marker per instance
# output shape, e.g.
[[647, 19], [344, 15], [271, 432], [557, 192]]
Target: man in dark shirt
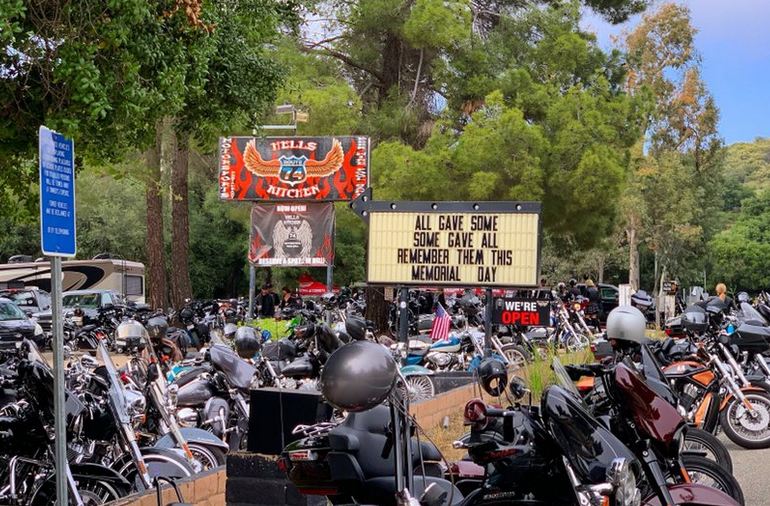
[[267, 300]]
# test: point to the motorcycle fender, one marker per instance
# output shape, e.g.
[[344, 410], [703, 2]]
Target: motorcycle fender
[[412, 370], [692, 493], [193, 435], [729, 397], [98, 471]]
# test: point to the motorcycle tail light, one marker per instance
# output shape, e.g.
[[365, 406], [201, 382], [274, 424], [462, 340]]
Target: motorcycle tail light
[[475, 412]]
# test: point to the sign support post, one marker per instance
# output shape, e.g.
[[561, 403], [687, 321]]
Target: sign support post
[[58, 238], [488, 322], [329, 277], [58, 379], [403, 315], [252, 289]]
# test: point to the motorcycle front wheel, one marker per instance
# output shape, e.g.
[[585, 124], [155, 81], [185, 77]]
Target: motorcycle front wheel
[[209, 457], [93, 492], [705, 444], [707, 472], [746, 429]]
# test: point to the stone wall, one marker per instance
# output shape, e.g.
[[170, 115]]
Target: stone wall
[[205, 489], [431, 413]]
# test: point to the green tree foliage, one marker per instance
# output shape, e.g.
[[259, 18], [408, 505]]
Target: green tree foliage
[[742, 252]]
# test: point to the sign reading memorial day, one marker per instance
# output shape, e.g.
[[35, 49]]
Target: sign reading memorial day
[[58, 236], [468, 244]]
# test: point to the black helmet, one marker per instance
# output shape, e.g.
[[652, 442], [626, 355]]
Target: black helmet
[[186, 314], [247, 342], [358, 376], [157, 327], [517, 387], [356, 328], [230, 330], [572, 282], [493, 376]]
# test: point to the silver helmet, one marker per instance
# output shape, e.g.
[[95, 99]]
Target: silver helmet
[[626, 323]]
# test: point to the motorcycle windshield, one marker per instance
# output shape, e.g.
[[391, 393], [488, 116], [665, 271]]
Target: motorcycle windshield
[[653, 372], [117, 392], [749, 314], [239, 372], [589, 447]]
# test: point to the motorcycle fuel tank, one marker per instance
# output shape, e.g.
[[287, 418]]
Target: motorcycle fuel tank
[[195, 393]]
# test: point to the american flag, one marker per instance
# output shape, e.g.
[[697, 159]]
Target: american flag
[[439, 331]]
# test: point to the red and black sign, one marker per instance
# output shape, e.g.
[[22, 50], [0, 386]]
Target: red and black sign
[[518, 310], [292, 234], [293, 168]]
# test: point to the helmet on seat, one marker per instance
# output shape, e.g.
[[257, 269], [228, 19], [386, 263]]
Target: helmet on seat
[[247, 343], [626, 323], [358, 376]]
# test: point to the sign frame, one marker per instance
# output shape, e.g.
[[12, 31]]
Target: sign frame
[[229, 177], [364, 206], [50, 244]]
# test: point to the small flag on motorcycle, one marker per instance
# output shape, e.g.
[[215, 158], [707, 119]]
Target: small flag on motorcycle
[[439, 331]]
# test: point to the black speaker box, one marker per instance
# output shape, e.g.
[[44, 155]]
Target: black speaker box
[[273, 414]]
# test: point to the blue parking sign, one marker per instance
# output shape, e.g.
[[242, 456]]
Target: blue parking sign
[[57, 194]]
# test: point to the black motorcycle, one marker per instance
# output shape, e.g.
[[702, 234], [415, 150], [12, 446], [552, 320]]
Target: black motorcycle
[[27, 470]]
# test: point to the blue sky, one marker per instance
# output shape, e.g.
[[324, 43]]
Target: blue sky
[[734, 43]]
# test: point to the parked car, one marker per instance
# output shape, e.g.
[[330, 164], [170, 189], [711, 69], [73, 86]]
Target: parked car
[[30, 299], [16, 326], [89, 301]]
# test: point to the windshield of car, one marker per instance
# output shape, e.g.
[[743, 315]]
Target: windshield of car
[[10, 311], [90, 300], [21, 298]]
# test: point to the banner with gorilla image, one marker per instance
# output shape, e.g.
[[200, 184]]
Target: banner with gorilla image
[[292, 235]]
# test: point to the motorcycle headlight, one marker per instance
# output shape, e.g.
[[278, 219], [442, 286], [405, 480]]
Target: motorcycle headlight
[[38, 330], [622, 478], [187, 417]]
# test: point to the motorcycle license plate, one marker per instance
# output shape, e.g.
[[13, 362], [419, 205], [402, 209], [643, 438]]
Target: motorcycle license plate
[[302, 455]]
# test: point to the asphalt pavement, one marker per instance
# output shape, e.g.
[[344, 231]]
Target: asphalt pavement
[[750, 468]]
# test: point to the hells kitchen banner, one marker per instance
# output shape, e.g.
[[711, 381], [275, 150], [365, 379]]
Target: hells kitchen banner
[[297, 234], [293, 168]]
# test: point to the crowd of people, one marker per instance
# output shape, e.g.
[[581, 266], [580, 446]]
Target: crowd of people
[[271, 304]]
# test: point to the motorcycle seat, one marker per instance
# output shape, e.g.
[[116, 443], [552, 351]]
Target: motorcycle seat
[[300, 368]]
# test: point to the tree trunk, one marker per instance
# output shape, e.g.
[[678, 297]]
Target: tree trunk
[[156, 265], [181, 287], [377, 308], [633, 259], [600, 268]]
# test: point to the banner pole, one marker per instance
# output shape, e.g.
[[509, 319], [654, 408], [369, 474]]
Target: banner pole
[[252, 289]]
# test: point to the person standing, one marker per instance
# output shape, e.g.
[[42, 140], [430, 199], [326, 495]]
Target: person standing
[[594, 303], [267, 301], [288, 299], [721, 290]]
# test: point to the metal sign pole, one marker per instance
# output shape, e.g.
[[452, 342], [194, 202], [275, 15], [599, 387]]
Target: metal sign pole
[[252, 289], [329, 277], [403, 320], [58, 380], [488, 323]]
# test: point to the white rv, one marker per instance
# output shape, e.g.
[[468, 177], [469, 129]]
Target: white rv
[[121, 276]]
